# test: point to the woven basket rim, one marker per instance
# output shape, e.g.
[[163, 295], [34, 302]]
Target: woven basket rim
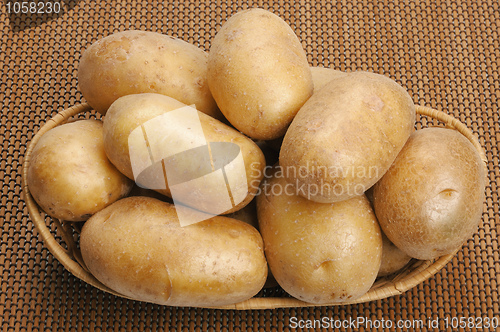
[[70, 258]]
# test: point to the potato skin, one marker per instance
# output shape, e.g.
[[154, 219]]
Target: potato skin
[[132, 111], [258, 73], [69, 175], [431, 199], [319, 253], [137, 248], [133, 61], [322, 75], [346, 136], [393, 259]]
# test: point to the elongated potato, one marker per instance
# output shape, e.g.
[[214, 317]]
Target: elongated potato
[[319, 253], [258, 73], [69, 175], [137, 247], [212, 167], [131, 62], [431, 199], [346, 136]]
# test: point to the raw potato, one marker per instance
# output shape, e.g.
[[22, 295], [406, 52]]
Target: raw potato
[[69, 175], [137, 248], [346, 136], [258, 73], [393, 259], [431, 199], [322, 75], [135, 111], [131, 62], [319, 253]]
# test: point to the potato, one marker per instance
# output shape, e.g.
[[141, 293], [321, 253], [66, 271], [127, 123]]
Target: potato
[[218, 178], [131, 62], [322, 75], [258, 73], [393, 259], [431, 199], [346, 136], [69, 175], [137, 247], [318, 253]]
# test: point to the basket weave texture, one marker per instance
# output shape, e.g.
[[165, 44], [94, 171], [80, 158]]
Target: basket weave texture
[[70, 256]]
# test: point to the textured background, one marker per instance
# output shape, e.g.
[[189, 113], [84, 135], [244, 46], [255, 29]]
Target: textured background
[[446, 56]]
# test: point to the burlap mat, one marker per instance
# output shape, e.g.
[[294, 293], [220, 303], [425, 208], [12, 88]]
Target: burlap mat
[[446, 55]]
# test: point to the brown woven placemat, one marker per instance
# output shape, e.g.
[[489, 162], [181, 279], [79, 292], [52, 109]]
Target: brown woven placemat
[[446, 55]]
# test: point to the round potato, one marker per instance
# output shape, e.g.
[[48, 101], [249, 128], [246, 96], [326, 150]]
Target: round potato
[[393, 259], [346, 136], [187, 155], [431, 199], [137, 247], [318, 253], [131, 62], [258, 73], [69, 175], [322, 75]]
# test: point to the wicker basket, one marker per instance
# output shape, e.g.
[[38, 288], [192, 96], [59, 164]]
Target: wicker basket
[[70, 256]]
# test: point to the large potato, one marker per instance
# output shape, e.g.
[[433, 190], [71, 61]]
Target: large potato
[[69, 175], [318, 253], [131, 62], [346, 136], [258, 73], [431, 199], [137, 248], [215, 168]]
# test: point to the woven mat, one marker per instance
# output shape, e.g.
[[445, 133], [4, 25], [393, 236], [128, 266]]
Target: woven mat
[[446, 56]]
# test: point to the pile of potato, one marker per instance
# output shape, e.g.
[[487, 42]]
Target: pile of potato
[[315, 143]]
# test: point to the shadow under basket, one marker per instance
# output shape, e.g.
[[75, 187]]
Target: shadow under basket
[[61, 237]]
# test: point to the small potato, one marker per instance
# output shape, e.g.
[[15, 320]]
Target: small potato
[[131, 62], [346, 136], [212, 167], [137, 247], [322, 75], [393, 259], [431, 199], [258, 73], [69, 175], [318, 253]]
